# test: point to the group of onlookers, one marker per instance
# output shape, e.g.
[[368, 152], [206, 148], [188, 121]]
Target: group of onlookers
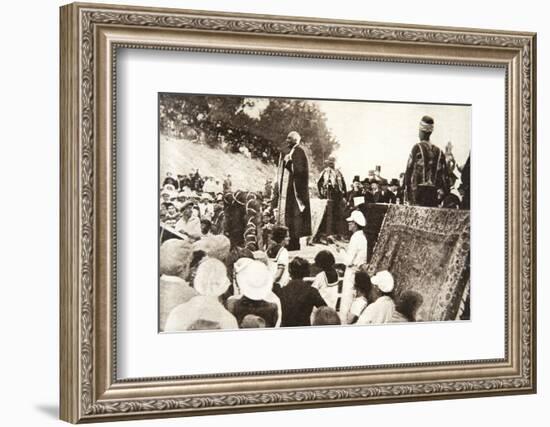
[[208, 285]]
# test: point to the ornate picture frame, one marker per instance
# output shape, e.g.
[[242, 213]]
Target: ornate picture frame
[[90, 37]]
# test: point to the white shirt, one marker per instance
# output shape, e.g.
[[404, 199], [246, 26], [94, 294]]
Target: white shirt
[[356, 255], [380, 311]]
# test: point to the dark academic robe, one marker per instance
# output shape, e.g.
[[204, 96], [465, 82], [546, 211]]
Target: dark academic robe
[[293, 193], [426, 173]]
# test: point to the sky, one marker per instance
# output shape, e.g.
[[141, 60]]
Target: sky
[[378, 133]]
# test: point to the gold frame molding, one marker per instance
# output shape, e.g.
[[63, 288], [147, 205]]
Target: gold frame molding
[[90, 36]]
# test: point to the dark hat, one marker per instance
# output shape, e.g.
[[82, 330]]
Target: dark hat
[[356, 178], [383, 181], [394, 181], [365, 181]]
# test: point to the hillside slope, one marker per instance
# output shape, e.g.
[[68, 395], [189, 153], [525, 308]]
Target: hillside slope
[[181, 157]]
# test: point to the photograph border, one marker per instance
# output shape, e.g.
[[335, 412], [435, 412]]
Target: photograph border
[[90, 37]]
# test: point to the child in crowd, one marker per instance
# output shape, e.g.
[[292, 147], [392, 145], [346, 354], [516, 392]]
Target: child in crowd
[[327, 281], [278, 256], [298, 298], [382, 307], [363, 288]]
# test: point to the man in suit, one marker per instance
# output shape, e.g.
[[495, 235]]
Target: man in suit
[[292, 195]]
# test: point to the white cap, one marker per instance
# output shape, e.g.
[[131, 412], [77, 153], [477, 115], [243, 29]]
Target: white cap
[[358, 218], [384, 281]]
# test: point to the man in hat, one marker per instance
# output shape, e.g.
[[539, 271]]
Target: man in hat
[[292, 195], [392, 190], [381, 193], [170, 180], [189, 225], [332, 187], [426, 169], [356, 256]]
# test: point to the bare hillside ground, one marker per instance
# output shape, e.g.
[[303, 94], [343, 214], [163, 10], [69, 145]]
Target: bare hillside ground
[[180, 156]]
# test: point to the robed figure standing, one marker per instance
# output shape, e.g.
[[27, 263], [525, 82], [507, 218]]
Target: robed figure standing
[[292, 195], [426, 169], [332, 188]]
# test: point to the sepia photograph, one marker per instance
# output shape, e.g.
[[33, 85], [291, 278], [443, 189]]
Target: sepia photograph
[[290, 212]]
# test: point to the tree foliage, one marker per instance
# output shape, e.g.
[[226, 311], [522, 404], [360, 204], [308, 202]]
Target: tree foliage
[[272, 120]]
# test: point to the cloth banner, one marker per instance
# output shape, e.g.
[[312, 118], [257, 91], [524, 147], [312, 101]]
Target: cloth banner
[[427, 250], [318, 207]]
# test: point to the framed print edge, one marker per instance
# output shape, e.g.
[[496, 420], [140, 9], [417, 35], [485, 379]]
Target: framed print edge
[[89, 37]]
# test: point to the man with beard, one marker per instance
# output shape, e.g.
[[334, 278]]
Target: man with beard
[[292, 195]]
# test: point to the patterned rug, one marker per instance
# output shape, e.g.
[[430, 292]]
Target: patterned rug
[[428, 251]]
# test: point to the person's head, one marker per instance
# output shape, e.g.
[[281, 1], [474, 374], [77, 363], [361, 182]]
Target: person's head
[[325, 260], [340, 268], [331, 162], [253, 278], [171, 208], [326, 316], [298, 268], [252, 321], [206, 226], [394, 185], [196, 212], [165, 196], [280, 235], [374, 186], [426, 128], [383, 283], [362, 284], [292, 139], [163, 208], [175, 257], [211, 278], [203, 324], [356, 186], [356, 221], [384, 185], [408, 304], [187, 209]]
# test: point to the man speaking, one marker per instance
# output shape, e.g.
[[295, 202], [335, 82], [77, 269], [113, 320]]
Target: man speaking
[[292, 198]]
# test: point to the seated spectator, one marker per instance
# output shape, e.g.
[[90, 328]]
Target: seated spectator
[[163, 211], [363, 289], [278, 256], [327, 281], [298, 298], [326, 316], [381, 310], [252, 321], [253, 280], [188, 225], [206, 227], [406, 306], [170, 180], [172, 215], [174, 259], [210, 282]]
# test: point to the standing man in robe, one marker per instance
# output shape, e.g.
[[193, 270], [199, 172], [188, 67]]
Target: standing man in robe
[[292, 195], [332, 187], [426, 169]]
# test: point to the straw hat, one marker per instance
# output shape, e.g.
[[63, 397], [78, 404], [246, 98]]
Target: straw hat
[[254, 278], [211, 278]]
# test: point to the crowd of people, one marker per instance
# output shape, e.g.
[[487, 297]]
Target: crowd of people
[[174, 122], [209, 285], [207, 282]]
